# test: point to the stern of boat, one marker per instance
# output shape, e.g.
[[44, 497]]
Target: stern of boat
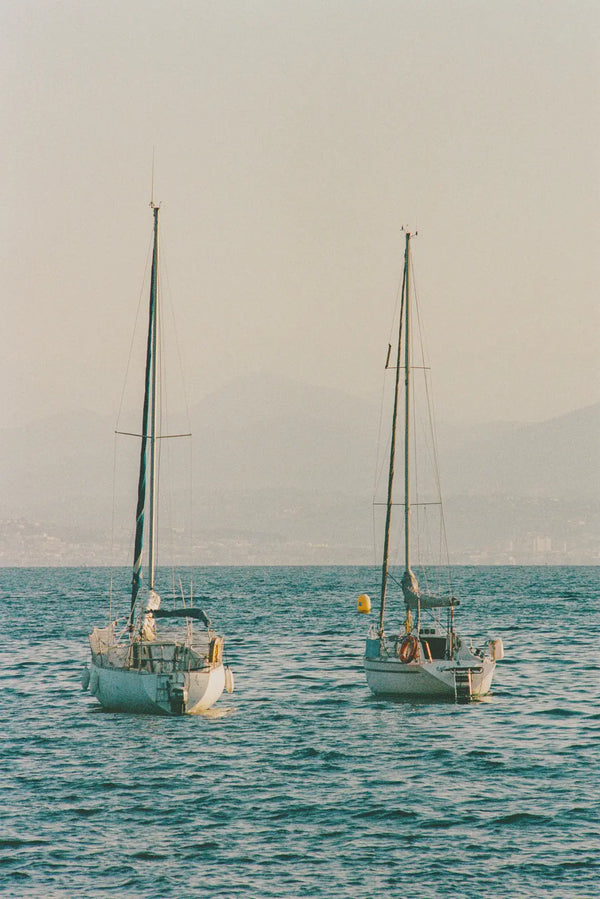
[[465, 677], [157, 677]]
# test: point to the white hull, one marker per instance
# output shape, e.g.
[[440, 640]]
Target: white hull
[[439, 679], [144, 692]]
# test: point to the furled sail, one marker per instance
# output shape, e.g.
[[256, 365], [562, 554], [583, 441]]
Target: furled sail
[[149, 622], [414, 598], [141, 500], [189, 612]]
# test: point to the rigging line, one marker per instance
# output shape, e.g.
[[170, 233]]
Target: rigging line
[[112, 526], [422, 337], [164, 462], [169, 465], [184, 393], [167, 308], [440, 549], [411, 505], [443, 535], [396, 581], [374, 533], [379, 458], [382, 456], [415, 472], [382, 453], [190, 505], [143, 294], [157, 437], [177, 342], [444, 553], [424, 534], [429, 428], [168, 460], [393, 332], [430, 534]]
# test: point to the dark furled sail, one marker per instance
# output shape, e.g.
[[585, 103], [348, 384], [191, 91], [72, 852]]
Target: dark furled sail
[[148, 387]]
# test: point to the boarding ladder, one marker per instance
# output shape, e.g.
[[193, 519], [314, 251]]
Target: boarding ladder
[[462, 684]]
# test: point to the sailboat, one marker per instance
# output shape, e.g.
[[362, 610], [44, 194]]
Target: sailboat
[[164, 661], [425, 656]]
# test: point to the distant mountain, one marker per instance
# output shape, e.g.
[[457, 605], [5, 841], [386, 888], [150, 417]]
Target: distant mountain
[[262, 433], [559, 458], [58, 469], [283, 472]]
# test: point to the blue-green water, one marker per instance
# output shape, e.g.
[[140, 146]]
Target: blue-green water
[[309, 787]]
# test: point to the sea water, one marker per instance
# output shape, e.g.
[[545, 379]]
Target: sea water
[[301, 784]]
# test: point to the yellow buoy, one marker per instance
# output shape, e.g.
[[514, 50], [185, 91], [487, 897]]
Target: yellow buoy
[[364, 604]]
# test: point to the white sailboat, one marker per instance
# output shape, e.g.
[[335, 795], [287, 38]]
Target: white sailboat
[[425, 656], [165, 661]]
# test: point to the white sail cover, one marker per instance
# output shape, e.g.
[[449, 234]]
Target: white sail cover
[[414, 598], [153, 601], [149, 621], [102, 638]]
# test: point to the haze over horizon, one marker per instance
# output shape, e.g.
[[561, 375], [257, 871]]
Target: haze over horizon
[[293, 141]]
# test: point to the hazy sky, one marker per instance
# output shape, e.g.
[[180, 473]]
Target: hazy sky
[[293, 140]]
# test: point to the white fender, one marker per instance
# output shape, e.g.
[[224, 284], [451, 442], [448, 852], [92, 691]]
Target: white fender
[[497, 649], [94, 682]]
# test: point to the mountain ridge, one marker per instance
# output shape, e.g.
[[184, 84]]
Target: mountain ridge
[[282, 468]]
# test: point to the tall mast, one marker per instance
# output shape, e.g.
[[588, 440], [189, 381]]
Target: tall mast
[[153, 411], [407, 409], [388, 516], [148, 433]]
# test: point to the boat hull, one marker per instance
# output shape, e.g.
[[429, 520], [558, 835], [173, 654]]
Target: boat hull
[[144, 692], [443, 679]]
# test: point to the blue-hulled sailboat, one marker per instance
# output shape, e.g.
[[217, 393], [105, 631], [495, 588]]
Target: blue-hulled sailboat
[[166, 661]]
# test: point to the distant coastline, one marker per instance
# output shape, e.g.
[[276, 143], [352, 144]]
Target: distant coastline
[[292, 484]]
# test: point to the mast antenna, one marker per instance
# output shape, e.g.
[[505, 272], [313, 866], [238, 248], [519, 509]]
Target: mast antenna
[[152, 182]]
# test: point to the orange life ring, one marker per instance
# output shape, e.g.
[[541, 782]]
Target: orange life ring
[[408, 649]]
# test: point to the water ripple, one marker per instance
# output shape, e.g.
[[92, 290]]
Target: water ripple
[[302, 784]]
